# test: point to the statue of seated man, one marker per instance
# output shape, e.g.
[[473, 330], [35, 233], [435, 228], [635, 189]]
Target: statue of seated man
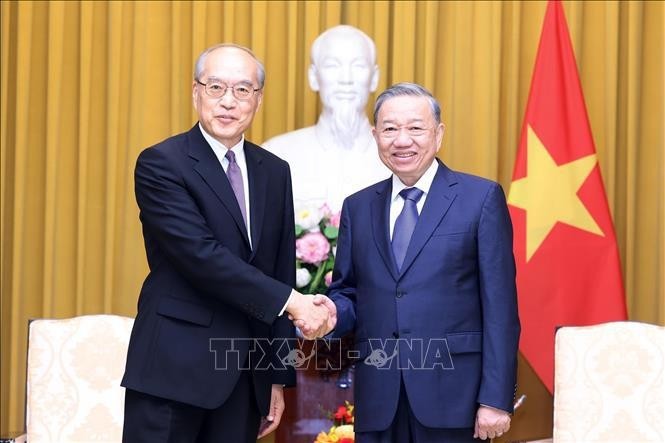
[[337, 156]]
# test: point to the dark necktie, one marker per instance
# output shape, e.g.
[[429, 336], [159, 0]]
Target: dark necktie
[[405, 224], [234, 175]]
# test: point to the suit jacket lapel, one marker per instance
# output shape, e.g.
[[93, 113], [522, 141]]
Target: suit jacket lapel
[[380, 211], [441, 195], [258, 189], [209, 168]]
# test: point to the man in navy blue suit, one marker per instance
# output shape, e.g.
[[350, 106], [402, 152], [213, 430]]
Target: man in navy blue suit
[[425, 276], [205, 358]]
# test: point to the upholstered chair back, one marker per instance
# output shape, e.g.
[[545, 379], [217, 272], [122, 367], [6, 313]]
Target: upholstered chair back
[[609, 383], [73, 381]]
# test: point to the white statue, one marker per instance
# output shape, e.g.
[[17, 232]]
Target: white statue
[[337, 156]]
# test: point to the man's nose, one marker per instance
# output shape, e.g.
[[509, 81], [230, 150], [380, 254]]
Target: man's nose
[[227, 99], [346, 74], [403, 138]]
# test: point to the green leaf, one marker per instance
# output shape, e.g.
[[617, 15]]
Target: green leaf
[[299, 230], [331, 232]]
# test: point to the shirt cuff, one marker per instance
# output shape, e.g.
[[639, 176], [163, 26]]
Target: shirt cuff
[[285, 305], [492, 407]]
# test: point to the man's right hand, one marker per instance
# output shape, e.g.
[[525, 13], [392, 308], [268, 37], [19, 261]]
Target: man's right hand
[[322, 300], [310, 318]]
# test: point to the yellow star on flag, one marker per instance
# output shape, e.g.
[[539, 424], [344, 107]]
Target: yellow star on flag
[[548, 193]]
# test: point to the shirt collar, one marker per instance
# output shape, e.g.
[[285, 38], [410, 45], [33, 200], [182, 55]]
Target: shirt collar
[[238, 149], [424, 183]]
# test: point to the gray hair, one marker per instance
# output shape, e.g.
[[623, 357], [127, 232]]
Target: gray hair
[[412, 89], [315, 52], [200, 62]]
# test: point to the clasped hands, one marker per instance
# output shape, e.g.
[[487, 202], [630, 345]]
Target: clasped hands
[[315, 315]]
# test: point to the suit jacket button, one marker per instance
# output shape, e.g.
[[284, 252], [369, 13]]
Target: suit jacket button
[[395, 335], [400, 294]]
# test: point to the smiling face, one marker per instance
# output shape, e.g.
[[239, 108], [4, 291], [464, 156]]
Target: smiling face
[[408, 136], [227, 118]]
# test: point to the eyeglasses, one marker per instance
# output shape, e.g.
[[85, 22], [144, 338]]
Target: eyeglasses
[[391, 132], [241, 91]]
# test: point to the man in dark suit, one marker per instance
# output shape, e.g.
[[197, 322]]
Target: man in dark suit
[[205, 355], [425, 275]]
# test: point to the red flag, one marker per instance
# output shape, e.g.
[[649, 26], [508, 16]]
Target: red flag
[[568, 270]]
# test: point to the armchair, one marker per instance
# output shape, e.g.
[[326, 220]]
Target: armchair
[[609, 383], [73, 378]]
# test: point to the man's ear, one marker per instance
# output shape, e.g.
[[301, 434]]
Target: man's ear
[[259, 100], [375, 134], [375, 79], [440, 130], [313, 80], [194, 91]]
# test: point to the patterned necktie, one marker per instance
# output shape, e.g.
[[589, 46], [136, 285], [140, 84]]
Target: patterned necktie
[[234, 175], [405, 224]]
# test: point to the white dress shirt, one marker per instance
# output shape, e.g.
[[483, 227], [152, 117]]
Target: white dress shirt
[[424, 183], [239, 150]]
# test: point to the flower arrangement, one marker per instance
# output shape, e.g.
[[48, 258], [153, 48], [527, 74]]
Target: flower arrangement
[[342, 429], [317, 230], [316, 244]]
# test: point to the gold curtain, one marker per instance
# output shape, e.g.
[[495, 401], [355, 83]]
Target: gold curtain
[[86, 85]]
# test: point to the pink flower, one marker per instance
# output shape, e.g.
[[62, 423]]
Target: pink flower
[[312, 247], [334, 219], [325, 210], [328, 278]]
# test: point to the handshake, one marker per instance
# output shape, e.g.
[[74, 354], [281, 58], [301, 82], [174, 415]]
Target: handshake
[[315, 316]]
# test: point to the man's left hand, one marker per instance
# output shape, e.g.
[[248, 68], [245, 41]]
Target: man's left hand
[[491, 422], [270, 423]]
